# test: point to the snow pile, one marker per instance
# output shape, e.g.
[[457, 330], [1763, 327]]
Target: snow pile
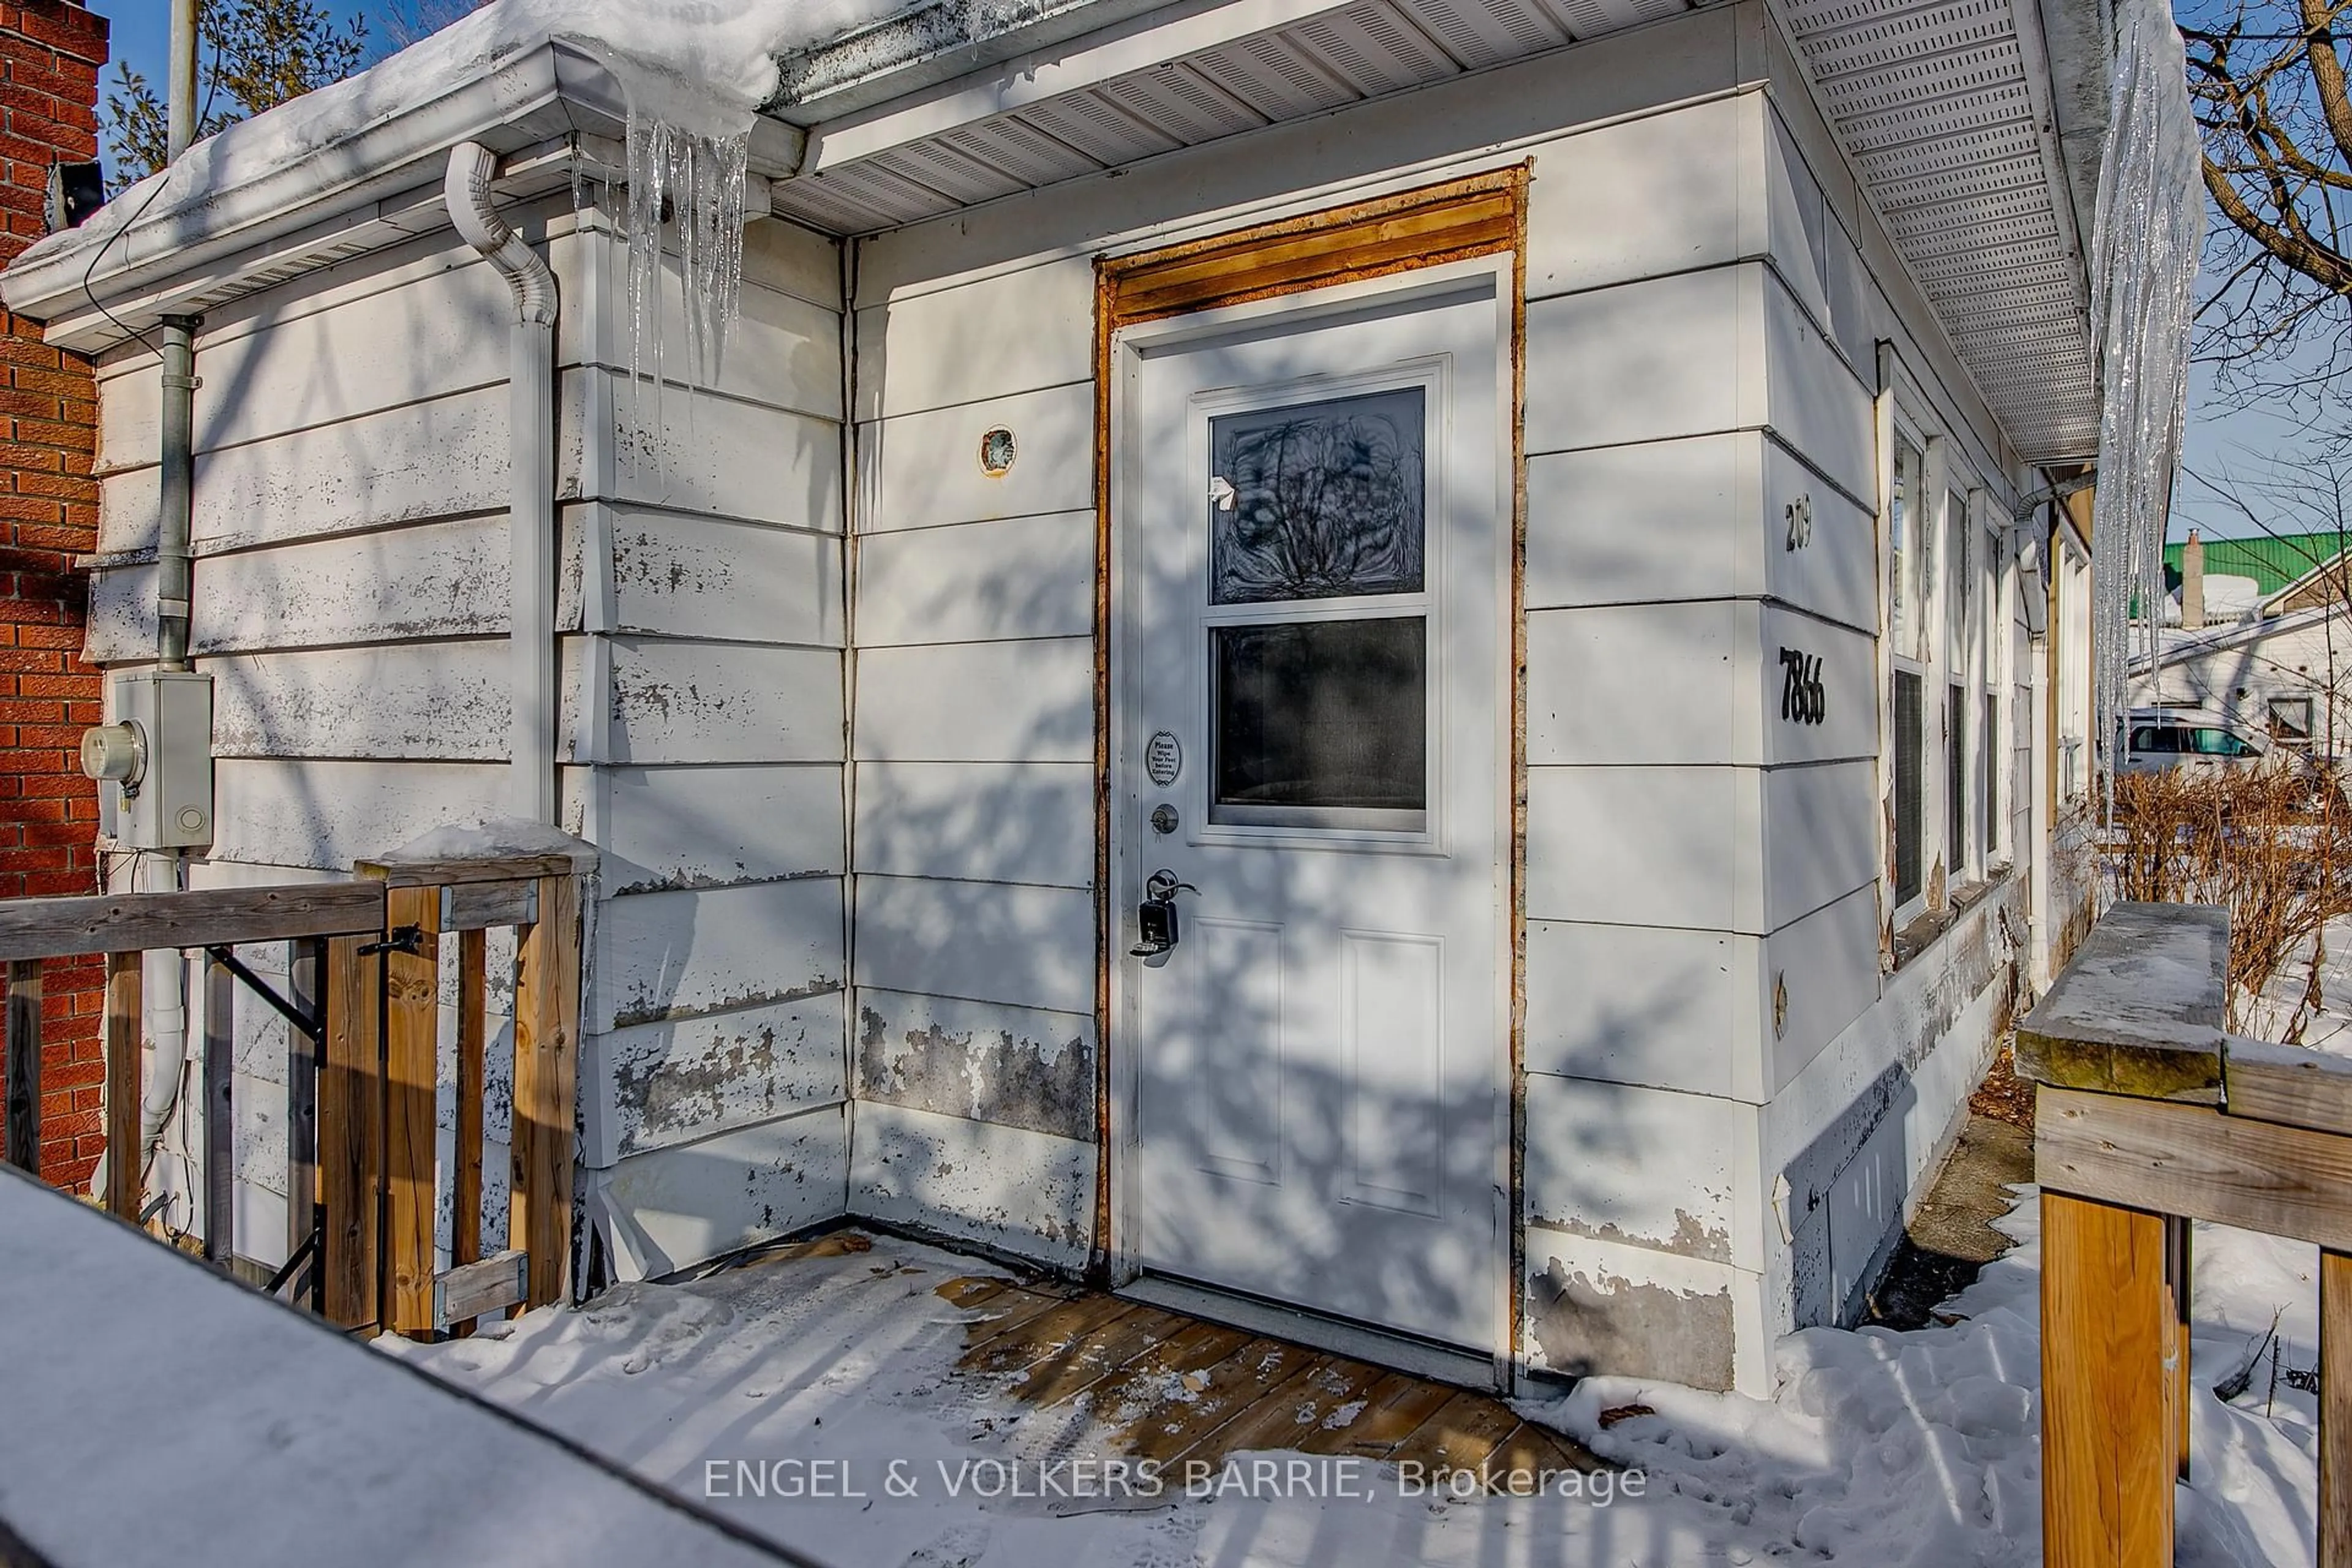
[[1880, 1450], [490, 838], [2229, 600], [2150, 229], [1922, 1449]]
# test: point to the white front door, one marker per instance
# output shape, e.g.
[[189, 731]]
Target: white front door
[[1312, 546]]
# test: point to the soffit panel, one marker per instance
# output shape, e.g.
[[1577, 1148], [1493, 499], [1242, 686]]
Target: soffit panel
[[1932, 102]]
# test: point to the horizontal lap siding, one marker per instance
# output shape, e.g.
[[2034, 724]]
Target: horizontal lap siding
[[350, 533], [351, 600], [1871, 1073], [677, 1081], [1702, 840], [974, 1041], [705, 709], [1019, 1191], [974, 719], [687, 827], [672, 1207]]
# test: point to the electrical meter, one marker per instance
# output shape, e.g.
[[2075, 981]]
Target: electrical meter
[[155, 763]]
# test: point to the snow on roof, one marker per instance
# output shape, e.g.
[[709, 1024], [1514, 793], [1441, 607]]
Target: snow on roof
[[702, 66], [2177, 645]]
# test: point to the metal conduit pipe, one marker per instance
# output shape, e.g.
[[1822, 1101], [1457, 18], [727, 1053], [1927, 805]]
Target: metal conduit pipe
[[531, 422], [179, 487], [166, 972]]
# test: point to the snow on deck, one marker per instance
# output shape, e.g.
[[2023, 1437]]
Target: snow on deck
[[153, 1411], [848, 1375]]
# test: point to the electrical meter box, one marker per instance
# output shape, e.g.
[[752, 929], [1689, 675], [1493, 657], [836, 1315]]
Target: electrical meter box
[[155, 762]]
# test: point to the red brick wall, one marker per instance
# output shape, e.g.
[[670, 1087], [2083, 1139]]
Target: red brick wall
[[50, 54]]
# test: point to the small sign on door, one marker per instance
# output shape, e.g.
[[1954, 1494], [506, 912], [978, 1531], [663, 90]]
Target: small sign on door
[[1163, 759]]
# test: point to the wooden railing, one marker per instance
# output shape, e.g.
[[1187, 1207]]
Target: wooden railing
[[2148, 1116], [364, 1020]]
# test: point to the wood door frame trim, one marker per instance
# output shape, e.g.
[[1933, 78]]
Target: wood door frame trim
[[1483, 215]]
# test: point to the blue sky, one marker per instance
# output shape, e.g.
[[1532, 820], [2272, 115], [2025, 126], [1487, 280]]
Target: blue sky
[[141, 31], [2215, 436]]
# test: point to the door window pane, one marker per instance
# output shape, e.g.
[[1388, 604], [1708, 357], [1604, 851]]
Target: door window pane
[[1317, 501], [1328, 714]]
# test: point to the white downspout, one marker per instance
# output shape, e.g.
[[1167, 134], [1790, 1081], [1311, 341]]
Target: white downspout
[[531, 422], [2041, 930]]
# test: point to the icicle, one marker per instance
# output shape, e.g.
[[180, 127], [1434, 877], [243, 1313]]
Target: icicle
[[2143, 275], [696, 183]]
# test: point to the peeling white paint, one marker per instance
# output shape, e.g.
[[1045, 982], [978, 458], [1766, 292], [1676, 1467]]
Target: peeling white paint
[[1025, 1193]]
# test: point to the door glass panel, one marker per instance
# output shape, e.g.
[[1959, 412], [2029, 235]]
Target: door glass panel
[[1317, 501], [1329, 715]]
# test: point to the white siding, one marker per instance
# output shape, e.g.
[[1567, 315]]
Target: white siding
[[683, 575], [979, 582], [1030, 701], [670, 1208], [1006, 1187], [351, 485], [983, 822], [924, 468], [711, 827], [1016, 332]]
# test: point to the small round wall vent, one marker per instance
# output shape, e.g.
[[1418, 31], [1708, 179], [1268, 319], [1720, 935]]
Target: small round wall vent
[[996, 451]]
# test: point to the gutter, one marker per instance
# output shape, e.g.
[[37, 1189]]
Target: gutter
[[933, 43], [531, 510], [198, 232]]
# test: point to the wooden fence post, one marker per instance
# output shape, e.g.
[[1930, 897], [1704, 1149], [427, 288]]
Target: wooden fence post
[[126, 1151], [351, 1135], [21, 1147], [411, 1014], [2108, 1427], [547, 1030]]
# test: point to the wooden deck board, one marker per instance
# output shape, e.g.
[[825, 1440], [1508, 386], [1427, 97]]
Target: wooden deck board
[[1461, 1434], [1186, 1428], [972, 1290], [1161, 1385], [1062, 1378], [1054, 1334], [1285, 1417], [1129, 1395], [1010, 1311], [1393, 1408], [1531, 1450]]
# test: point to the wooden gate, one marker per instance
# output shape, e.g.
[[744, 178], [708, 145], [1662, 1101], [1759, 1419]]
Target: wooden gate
[[364, 1175]]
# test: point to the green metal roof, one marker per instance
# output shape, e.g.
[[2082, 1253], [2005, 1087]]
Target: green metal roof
[[2272, 560]]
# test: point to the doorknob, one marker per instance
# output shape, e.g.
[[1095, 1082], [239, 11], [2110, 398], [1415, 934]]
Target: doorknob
[[1155, 918]]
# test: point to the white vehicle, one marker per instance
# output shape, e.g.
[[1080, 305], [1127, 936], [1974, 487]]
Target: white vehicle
[[2156, 739]]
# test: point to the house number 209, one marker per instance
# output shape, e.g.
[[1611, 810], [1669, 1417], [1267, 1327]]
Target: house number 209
[[1802, 701], [1800, 516]]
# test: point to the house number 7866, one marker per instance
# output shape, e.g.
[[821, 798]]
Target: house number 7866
[[1802, 701]]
